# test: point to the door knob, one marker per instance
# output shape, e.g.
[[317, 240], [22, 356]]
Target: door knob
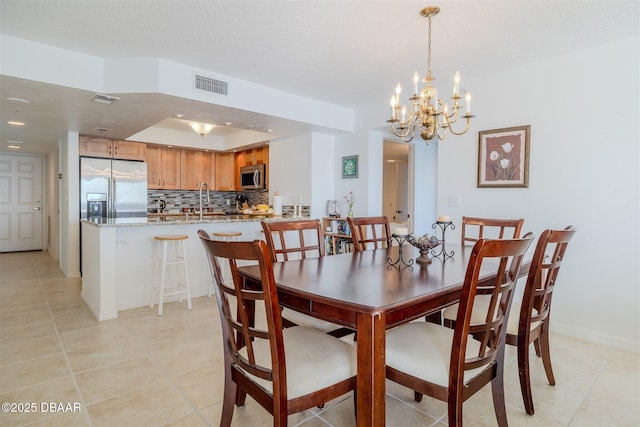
[[36, 209]]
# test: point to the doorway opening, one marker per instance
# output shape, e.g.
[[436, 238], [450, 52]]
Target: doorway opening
[[397, 193]]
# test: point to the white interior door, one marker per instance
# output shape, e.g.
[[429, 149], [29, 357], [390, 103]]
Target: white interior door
[[20, 203], [395, 188]]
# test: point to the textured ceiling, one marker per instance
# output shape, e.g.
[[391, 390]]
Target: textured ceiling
[[349, 53]]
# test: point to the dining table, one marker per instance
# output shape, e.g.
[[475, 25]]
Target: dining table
[[372, 291]]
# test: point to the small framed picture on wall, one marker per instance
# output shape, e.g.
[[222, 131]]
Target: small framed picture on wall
[[503, 157], [350, 167]]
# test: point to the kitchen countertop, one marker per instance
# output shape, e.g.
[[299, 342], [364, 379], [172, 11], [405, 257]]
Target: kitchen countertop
[[172, 219]]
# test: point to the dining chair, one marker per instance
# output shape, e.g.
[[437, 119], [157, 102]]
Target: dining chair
[[453, 364], [284, 370], [477, 227], [473, 229], [299, 239], [531, 325], [370, 232], [286, 239]]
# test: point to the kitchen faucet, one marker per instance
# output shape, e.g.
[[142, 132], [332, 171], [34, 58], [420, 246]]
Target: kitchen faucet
[[203, 184]]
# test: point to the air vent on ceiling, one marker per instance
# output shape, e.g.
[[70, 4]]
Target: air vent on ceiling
[[208, 84], [101, 98], [100, 130]]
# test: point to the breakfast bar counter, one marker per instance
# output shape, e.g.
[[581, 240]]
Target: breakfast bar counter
[[118, 256]]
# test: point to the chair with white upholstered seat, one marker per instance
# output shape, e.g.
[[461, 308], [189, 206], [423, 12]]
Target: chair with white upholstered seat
[[473, 229], [529, 322], [370, 232], [452, 365], [299, 239], [285, 370]]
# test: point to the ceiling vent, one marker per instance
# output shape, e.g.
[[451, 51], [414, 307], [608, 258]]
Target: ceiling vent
[[208, 84], [102, 130], [101, 98]]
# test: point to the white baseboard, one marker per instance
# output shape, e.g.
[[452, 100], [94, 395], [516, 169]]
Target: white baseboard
[[608, 340]]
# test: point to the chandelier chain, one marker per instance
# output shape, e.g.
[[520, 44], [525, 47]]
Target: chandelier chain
[[429, 53]]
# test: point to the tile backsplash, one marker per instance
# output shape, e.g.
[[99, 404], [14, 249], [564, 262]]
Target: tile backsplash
[[176, 200]]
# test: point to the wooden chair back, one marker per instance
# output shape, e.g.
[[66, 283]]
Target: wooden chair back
[[491, 333], [370, 232], [543, 273], [294, 239], [254, 356], [532, 326], [476, 352], [235, 300], [473, 229]]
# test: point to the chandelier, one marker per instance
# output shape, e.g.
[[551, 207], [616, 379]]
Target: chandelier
[[428, 113]]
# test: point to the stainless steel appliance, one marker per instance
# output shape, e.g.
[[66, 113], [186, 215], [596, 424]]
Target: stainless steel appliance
[[112, 188], [252, 177]]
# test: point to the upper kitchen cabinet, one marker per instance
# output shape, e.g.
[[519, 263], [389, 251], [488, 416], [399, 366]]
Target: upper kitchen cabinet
[[254, 156], [112, 149], [163, 168], [197, 167], [225, 172]]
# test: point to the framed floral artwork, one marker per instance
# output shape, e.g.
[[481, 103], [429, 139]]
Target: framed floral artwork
[[350, 167], [503, 157]]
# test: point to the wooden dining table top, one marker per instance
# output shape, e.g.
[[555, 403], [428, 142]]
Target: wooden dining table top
[[364, 291], [366, 282]]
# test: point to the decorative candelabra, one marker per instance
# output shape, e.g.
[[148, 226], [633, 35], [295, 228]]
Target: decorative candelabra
[[400, 239], [428, 113], [443, 225]]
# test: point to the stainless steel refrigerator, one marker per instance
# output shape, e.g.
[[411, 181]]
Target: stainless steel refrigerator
[[112, 188]]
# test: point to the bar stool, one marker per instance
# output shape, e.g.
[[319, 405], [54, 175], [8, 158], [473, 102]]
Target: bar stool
[[162, 262], [223, 235]]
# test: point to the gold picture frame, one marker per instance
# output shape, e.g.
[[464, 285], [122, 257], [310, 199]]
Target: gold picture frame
[[503, 157]]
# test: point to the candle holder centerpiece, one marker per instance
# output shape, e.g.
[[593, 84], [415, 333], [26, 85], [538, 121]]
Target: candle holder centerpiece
[[425, 244], [443, 223], [400, 239]]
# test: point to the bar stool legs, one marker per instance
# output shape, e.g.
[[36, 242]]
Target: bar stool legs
[[161, 266]]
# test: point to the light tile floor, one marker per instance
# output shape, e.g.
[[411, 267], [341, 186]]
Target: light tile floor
[[145, 370]]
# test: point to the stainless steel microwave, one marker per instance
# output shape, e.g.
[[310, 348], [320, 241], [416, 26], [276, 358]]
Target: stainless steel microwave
[[252, 177]]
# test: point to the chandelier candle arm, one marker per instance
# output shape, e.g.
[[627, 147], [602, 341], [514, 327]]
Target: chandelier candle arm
[[426, 106]]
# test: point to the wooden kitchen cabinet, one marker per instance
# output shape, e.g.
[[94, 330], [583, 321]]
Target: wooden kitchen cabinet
[[197, 167], [254, 156], [129, 150], [225, 172], [163, 168], [111, 149]]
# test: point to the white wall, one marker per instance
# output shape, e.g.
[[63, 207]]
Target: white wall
[[69, 206], [290, 168], [584, 115], [52, 189]]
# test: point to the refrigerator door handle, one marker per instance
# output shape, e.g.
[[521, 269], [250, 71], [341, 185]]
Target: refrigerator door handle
[[114, 198]]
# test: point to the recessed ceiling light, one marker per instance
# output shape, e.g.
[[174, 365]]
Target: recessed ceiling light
[[179, 115], [228, 123], [14, 120], [269, 130]]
